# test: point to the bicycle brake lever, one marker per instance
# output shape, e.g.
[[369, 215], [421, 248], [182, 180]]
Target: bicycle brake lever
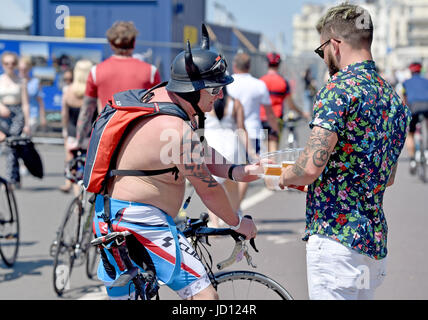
[[249, 259], [253, 244]]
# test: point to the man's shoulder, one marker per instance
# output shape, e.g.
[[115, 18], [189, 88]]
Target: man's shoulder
[[128, 60]]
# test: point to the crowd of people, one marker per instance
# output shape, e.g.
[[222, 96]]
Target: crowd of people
[[338, 164]]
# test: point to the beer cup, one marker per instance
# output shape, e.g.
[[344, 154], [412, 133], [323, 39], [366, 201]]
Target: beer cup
[[274, 162]]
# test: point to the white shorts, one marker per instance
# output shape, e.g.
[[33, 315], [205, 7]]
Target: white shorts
[[336, 272]]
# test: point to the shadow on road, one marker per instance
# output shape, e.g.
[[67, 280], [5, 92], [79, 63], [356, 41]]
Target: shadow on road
[[78, 292], [23, 268]]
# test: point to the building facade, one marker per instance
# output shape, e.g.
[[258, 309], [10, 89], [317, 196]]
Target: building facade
[[400, 31]]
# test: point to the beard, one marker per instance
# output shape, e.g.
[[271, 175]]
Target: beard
[[331, 64]]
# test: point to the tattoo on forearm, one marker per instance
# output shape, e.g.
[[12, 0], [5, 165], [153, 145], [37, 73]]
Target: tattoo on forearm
[[300, 165], [198, 172], [84, 121]]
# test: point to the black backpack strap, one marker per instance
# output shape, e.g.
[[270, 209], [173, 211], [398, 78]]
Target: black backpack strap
[[173, 170]]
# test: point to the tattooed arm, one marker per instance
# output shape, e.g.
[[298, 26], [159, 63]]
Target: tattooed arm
[[84, 122], [192, 165], [312, 160]]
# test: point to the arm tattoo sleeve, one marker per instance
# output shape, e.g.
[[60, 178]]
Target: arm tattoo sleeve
[[319, 146], [84, 122], [317, 149], [193, 159]]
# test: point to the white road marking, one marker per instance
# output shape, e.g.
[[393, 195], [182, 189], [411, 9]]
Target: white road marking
[[258, 197], [278, 239]]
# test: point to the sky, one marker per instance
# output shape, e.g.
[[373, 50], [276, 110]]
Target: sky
[[269, 17], [273, 18]]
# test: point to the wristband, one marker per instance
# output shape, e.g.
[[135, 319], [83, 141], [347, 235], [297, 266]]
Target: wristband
[[229, 173], [239, 223]]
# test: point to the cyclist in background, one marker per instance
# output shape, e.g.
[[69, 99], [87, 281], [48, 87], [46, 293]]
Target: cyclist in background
[[280, 92], [415, 94]]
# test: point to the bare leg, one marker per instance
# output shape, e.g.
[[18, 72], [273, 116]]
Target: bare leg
[[208, 293]]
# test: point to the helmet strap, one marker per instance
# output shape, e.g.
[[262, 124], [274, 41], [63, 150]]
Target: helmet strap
[[193, 98]]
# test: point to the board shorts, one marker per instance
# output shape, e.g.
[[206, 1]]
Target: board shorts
[[153, 243]]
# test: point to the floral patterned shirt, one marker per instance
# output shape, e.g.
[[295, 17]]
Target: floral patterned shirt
[[370, 121]]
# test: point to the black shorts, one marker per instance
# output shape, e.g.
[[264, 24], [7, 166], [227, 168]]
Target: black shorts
[[266, 126], [415, 120]]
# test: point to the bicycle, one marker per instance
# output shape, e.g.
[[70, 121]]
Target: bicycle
[[291, 122], [227, 283], [421, 159], [72, 245], [9, 217]]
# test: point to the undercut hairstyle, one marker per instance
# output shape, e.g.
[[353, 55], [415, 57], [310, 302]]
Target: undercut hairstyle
[[350, 23], [122, 35], [242, 62]]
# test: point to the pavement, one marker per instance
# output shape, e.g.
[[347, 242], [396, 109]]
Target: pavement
[[279, 215]]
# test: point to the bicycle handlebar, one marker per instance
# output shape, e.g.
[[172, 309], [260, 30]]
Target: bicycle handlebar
[[74, 167], [14, 141], [198, 228]]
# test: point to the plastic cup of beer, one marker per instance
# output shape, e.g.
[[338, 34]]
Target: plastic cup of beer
[[274, 162]]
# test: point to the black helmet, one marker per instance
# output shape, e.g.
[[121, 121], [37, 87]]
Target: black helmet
[[198, 69]]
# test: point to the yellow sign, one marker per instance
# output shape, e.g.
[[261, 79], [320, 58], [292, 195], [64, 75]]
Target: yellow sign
[[75, 27], [190, 33]]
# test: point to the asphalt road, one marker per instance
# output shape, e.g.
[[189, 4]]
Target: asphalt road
[[278, 215]]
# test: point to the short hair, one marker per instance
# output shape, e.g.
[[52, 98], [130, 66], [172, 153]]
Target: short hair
[[9, 53], [122, 34], [350, 22], [242, 61]]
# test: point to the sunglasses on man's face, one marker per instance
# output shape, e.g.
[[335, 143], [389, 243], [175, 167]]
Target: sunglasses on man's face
[[214, 91], [320, 50]]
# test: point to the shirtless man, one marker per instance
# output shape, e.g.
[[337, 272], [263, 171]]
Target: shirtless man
[[147, 205]]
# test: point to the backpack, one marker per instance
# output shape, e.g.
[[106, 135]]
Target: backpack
[[109, 130]]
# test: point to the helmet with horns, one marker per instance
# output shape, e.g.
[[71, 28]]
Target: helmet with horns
[[197, 69]]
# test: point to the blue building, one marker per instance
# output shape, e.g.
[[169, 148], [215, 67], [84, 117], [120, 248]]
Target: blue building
[[163, 25]]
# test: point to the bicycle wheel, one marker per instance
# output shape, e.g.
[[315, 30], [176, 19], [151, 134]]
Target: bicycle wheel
[[248, 285], [9, 225], [92, 253], [67, 247], [92, 262], [421, 167]]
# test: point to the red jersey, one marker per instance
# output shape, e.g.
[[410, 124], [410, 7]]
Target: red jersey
[[119, 74], [279, 89]]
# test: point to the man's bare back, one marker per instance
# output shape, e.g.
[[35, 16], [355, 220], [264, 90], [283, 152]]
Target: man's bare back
[[149, 146]]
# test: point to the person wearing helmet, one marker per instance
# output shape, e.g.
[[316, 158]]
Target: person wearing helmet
[[279, 92], [146, 205], [415, 95]]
